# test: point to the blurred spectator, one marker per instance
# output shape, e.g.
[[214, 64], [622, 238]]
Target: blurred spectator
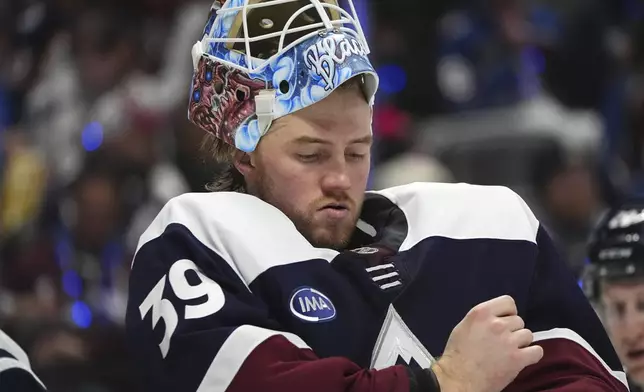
[[578, 66], [76, 264], [20, 200], [82, 85], [147, 178], [70, 360], [407, 168], [569, 195], [26, 28]]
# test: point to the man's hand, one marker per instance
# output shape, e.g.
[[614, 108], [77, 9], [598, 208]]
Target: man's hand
[[487, 349]]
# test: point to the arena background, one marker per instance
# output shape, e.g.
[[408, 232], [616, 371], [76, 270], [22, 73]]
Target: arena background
[[543, 96]]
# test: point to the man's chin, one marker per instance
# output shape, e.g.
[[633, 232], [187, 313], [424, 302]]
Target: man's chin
[[336, 238], [636, 372]]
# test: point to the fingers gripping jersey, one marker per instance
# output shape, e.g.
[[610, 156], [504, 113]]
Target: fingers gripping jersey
[[226, 295]]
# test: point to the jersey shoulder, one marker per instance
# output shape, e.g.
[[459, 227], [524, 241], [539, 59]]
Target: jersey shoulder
[[205, 214], [463, 211], [236, 227], [15, 369]]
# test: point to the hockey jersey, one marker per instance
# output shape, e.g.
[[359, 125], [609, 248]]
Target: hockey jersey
[[15, 370], [226, 294]]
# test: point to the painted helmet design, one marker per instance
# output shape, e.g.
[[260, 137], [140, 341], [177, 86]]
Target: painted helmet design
[[260, 60]]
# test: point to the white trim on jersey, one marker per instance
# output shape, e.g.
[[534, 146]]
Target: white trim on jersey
[[20, 360], [382, 272], [253, 236], [10, 346], [385, 276], [379, 267], [568, 334], [234, 352], [390, 285], [462, 211], [11, 363], [249, 234]]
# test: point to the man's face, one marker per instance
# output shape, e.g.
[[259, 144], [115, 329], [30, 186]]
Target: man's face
[[623, 304], [313, 165]]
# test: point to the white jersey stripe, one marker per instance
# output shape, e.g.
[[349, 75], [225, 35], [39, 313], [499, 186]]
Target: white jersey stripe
[[20, 360], [8, 344], [565, 333], [390, 285], [379, 267], [234, 352], [10, 363], [385, 276], [445, 210], [223, 220]]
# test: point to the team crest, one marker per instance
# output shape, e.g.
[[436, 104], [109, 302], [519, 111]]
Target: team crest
[[310, 305], [365, 251], [397, 345]]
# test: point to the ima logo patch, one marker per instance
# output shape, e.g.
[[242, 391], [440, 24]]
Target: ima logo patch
[[310, 305]]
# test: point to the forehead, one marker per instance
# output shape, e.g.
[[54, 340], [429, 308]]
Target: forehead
[[343, 116], [622, 289]]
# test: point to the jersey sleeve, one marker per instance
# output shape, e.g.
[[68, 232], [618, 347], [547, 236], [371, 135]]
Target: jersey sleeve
[[194, 325], [578, 355]]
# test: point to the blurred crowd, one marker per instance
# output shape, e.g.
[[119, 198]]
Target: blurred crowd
[[543, 96]]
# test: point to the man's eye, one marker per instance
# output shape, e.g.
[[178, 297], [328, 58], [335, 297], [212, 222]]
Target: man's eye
[[307, 157], [617, 309], [356, 157]]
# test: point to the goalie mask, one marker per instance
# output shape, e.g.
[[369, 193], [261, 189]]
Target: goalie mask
[[259, 60], [616, 247]]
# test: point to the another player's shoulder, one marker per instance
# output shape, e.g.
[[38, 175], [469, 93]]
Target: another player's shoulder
[[15, 369], [465, 211]]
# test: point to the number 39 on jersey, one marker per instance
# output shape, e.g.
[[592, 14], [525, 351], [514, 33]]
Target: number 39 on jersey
[[163, 309]]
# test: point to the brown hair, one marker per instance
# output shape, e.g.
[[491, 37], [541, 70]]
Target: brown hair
[[229, 179]]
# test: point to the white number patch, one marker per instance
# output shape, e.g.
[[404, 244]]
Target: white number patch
[[397, 341], [163, 309]]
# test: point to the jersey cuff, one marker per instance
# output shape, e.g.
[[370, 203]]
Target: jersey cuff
[[422, 380]]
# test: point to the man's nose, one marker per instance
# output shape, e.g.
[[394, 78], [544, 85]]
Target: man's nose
[[337, 179]]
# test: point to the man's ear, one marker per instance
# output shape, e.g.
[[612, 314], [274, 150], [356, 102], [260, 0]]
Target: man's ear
[[243, 163]]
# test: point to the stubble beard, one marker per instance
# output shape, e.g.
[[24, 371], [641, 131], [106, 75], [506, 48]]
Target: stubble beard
[[333, 235]]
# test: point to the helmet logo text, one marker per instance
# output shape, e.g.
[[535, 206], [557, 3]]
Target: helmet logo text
[[329, 52]]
